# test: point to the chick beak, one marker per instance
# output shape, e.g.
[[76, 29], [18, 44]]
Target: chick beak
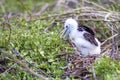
[[64, 33]]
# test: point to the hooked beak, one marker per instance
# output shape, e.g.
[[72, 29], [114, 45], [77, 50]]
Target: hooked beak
[[65, 32]]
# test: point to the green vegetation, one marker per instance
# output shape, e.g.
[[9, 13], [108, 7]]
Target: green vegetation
[[107, 68], [36, 45], [41, 47]]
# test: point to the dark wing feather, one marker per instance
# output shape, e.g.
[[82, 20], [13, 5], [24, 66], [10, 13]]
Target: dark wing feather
[[85, 28], [90, 38]]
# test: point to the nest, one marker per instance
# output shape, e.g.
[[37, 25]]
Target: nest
[[77, 66]]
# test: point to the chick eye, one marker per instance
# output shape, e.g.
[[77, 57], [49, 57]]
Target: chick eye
[[66, 26]]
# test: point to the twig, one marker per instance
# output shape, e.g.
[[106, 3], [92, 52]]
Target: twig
[[23, 65], [98, 20], [109, 39], [9, 68], [2, 7], [51, 25], [113, 40], [29, 70], [93, 71], [55, 15], [58, 5], [17, 53], [81, 12], [43, 8], [96, 5], [113, 44], [61, 54]]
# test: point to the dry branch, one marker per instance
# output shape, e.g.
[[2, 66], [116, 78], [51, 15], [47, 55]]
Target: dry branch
[[23, 65], [109, 39], [9, 69], [87, 12]]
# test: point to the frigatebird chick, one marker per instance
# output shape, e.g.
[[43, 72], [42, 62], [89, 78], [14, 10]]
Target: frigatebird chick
[[82, 37]]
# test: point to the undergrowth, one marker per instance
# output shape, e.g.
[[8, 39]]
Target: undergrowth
[[40, 47]]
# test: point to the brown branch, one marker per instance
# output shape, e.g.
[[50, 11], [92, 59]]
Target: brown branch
[[109, 39], [27, 69], [9, 68], [93, 72], [23, 65], [90, 2]]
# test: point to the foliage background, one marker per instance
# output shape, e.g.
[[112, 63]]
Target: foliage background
[[40, 47]]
